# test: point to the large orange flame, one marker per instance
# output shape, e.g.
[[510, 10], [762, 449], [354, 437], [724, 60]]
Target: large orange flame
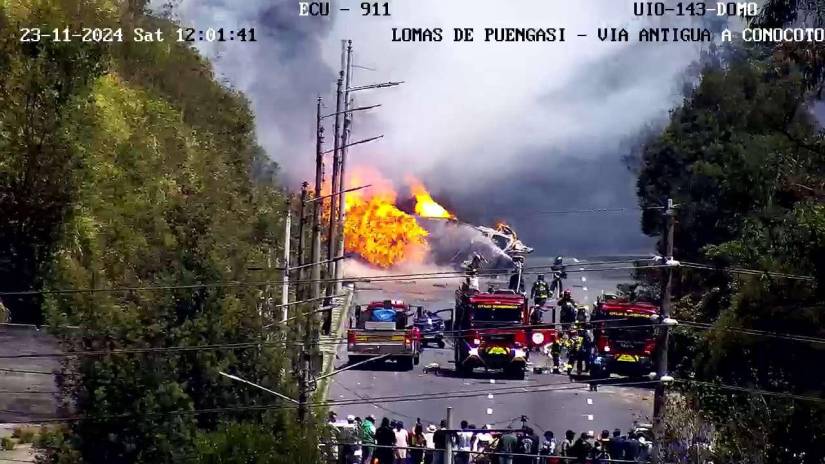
[[425, 206], [375, 228]]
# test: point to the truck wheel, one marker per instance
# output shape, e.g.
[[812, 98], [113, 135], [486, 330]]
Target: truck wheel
[[417, 359], [406, 363], [515, 373], [441, 344]]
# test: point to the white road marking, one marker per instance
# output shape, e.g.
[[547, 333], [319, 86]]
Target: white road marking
[[492, 380], [590, 432], [590, 417], [489, 396], [489, 411], [584, 279], [584, 288], [590, 401]]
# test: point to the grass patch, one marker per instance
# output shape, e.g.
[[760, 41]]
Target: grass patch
[[7, 443], [25, 434]]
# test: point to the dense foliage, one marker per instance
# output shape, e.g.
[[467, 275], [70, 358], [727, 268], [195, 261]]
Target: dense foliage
[[128, 165], [744, 158]]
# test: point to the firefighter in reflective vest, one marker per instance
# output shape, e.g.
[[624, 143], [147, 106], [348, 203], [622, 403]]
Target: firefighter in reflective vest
[[555, 353], [540, 291], [575, 354]]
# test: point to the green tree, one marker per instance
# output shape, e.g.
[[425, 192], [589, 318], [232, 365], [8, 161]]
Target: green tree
[[128, 165], [743, 158]]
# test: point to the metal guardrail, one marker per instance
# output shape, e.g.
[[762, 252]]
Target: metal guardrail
[[337, 454]]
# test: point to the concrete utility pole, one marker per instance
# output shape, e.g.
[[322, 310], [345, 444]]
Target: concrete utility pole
[[285, 278], [336, 165], [339, 268], [448, 452], [315, 275], [300, 289], [303, 371], [659, 398]]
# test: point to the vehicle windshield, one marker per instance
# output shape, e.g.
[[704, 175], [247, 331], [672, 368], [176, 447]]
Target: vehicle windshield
[[619, 327], [496, 313]]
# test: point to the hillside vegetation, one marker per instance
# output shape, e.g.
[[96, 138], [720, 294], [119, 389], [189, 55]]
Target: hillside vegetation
[[129, 165], [744, 158]]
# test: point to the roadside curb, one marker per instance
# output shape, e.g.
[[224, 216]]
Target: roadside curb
[[339, 327]]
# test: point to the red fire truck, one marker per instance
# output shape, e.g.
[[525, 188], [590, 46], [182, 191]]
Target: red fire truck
[[384, 328], [492, 331], [625, 337]]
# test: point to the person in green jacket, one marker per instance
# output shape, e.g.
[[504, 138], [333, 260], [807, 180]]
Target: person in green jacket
[[367, 437]]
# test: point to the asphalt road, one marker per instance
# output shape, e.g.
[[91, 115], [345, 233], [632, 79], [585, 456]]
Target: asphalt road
[[486, 398], [27, 385]]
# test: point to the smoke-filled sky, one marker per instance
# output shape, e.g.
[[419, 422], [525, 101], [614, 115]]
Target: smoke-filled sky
[[495, 130]]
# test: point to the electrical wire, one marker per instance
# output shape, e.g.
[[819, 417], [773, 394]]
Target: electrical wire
[[323, 404], [598, 210], [754, 391], [232, 284], [739, 270], [755, 332], [247, 345]]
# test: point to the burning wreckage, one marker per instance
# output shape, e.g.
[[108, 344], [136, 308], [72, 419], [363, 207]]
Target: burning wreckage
[[385, 234]]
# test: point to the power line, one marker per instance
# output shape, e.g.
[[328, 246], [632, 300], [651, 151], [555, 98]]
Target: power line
[[420, 397], [755, 332], [233, 284], [324, 404], [246, 345], [754, 391], [739, 270], [599, 210]]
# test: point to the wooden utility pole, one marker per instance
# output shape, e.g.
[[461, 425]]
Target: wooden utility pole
[[315, 256], [300, 255], [345, 132], [659, 398], [336, 165]]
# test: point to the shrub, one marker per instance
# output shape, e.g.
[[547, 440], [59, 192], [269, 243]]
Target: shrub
[[7, 443], [25, 434]]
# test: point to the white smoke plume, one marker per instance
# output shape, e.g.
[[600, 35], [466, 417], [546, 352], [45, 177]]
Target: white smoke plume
[[501, 129]]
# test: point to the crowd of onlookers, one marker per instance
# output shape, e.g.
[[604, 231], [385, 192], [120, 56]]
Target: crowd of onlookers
[[363, 442]]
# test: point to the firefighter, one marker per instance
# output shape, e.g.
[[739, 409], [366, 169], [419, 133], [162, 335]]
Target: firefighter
[[573, 350], [558, 274], [555, 353], [567, 314], [578, 352], [540, 291]]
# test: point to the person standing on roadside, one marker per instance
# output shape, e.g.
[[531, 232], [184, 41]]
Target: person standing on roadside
[[617, 445], [428, 436], [418, 442], [384, 441], [464, 444], [507, 446], [367, 439], [566, 448], [440, 438], [402, 441]]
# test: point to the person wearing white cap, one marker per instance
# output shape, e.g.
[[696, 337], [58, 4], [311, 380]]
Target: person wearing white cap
[[428, 435], [348, 439]]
